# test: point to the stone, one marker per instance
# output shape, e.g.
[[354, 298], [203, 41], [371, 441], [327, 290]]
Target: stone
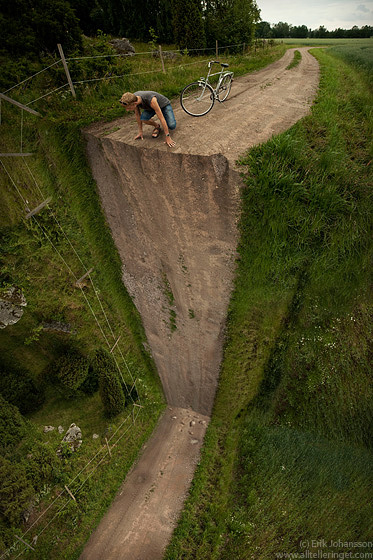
[[73, 437], [12, 302], [193, 441], [122, 46], [48, 429], [60, 430], [59, 327], [95, 436]]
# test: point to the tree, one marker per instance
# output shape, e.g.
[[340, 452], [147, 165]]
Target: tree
[[110, 388], [299, 31], [263, 30], [231, 22], [188, 24], [321, 32], [281, 30], [30, 27]]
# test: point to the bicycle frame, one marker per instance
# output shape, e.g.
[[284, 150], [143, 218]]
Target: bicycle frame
[[204, 81]]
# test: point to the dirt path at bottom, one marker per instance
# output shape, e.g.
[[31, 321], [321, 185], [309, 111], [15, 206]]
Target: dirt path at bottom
[[145, 511]]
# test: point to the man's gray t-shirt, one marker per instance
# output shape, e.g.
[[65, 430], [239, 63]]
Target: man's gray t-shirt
[[147, 96]]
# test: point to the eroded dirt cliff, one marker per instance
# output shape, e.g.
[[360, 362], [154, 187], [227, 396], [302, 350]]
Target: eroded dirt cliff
[[173, 218]]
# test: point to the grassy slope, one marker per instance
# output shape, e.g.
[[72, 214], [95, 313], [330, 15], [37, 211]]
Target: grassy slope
[[287, 457], [60, 170]]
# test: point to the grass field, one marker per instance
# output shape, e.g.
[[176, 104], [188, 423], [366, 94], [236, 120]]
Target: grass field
[[287, 462]]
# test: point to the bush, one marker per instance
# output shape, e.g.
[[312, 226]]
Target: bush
[[90, 385], [42, 465], [12, 426], [18, 388], [16, 491], [71, 371], [111, 391]]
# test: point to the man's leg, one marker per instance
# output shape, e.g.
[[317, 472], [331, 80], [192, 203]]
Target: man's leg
[[146, 118], [168, 114]]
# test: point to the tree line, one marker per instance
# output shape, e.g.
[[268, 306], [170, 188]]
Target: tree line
[[33, 27], [282, 30]]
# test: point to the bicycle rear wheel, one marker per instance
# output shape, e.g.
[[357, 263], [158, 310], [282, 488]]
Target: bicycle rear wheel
[[225, 87], [197, 99]]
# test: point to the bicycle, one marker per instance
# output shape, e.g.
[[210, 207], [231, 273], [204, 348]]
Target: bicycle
[[198, 98]]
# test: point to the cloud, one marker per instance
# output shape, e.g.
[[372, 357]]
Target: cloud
[[363, 8]]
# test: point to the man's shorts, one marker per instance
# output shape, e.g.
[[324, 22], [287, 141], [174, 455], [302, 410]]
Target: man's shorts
[[167, 113]]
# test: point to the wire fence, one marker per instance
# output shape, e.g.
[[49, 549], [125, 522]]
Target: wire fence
[[105, 450], [163, 54]]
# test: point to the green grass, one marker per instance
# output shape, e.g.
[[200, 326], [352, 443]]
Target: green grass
[[296, 60], [325, 42], [46, 273], [287, 455]]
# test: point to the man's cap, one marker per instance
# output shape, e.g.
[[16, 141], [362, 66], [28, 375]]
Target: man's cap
[[128, 98]]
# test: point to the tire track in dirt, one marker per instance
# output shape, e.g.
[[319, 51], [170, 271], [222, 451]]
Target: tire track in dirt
[[173, 216]]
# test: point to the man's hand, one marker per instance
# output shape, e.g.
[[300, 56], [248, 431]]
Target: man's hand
[[139, 136], [170, 142]]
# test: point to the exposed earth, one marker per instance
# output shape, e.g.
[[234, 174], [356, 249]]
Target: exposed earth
[[173, 215]]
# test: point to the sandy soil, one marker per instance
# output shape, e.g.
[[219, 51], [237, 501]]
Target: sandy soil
[[144, 513], [173, 215]]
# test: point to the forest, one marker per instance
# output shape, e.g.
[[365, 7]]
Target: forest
[[190, 24]]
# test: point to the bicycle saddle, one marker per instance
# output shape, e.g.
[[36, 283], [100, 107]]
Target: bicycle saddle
[[224, 64]]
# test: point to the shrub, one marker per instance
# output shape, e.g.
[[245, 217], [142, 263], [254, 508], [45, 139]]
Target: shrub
[[12, 426], [90, 385], [18, 388], [111, 391], [71, 371], [42, 465], [16, 491]]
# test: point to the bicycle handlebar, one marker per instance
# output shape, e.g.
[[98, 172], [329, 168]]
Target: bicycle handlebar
[[217, 62]]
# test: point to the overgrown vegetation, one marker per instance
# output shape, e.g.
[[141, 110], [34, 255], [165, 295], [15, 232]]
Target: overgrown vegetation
[[287, 457]]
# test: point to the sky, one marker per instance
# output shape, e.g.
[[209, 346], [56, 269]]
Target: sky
[[313, 13]]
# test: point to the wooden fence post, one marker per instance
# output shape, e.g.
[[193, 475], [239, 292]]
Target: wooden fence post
[[70, 493], [17, 104], [108, 447], [24, 542], [66, 70]]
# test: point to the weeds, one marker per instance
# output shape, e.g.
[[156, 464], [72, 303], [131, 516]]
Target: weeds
[[296, 60]]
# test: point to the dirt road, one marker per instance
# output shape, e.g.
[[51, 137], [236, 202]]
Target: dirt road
[[143, 515], [173, 215]]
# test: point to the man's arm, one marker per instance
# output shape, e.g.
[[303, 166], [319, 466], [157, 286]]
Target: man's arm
[[158, 111], [139, 123]]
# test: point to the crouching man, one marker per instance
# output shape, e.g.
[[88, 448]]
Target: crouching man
[[151, 103]]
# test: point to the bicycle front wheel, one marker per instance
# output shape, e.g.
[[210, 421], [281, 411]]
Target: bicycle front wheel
[[225, 87], [197, 99]]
